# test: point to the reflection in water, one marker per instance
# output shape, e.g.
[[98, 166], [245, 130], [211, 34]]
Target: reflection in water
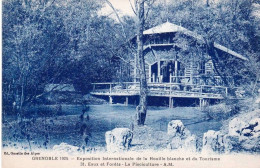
[[157, 117], [106, 117]]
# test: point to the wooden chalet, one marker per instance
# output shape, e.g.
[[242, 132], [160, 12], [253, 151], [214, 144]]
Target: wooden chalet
[[177, 66]]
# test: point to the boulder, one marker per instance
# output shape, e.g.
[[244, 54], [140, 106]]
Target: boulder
[[250, 135], [242, 136], [119, 139], [255, 123], [176, 143], [65, 148], [176, 128], [181, 138], [257, 101], [250, 130], [235, 127], [215, 142], [190, 144]]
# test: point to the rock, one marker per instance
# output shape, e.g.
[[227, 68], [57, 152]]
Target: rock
[[257, 100], [181, 137], [256, 134], [215, 142], [235, 127], [176, 128], [243, 136], [118, 140], [246, 132], [250, 137], [190, 144], [66, 148], [251, 143], [254, 122], [176, 143], [257, 128], [251, 129]]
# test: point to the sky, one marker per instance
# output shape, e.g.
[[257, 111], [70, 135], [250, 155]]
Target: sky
[[123, 7]]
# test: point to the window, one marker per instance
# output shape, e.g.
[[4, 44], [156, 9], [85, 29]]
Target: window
[[202, 67]]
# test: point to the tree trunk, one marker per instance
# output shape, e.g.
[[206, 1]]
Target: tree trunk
[[142, 107]]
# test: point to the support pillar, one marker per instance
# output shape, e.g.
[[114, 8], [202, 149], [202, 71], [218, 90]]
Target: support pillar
[[226, 91], [203, 103], [110, 88], [154, 79], [191, 73], [176, 70], [171, 102], [201, 100], [135, 68], [110, 100], [150, 73], [126, 100], [159, 71]]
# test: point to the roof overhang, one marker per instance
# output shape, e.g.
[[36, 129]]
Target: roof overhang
[[168, 27]]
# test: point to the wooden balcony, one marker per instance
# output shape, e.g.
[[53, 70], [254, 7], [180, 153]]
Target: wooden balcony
[[174, 90]]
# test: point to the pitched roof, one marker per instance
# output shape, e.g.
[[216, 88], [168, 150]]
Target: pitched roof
[[225, 49], [164, 28], [168, 27]]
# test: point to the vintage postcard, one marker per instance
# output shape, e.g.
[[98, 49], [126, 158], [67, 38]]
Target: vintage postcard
[[130, 83]]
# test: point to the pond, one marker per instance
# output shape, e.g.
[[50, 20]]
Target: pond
[[107, 117], [157, 117]]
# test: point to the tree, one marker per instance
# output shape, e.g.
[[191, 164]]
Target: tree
[[142, 107], [54, 41], [229, 23], [139, 66]]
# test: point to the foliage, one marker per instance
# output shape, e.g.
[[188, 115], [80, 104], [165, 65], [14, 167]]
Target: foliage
[[54, 41], [57, 41], [234, 24]]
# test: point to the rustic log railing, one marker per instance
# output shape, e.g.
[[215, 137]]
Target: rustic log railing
[[164, 89]]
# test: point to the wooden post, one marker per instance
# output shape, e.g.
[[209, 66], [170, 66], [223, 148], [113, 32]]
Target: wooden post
[[171, 102], [170, 89], [126, 100], [154, 79], [135, 68], [150, 73], [176, 70], [191, 73], [226, 91], [203, 103], [201, 99], [110, 100], [159, 71], [110, 88]]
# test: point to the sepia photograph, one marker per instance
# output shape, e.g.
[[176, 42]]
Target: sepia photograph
[[130, 83]]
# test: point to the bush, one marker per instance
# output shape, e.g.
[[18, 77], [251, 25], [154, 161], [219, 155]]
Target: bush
[[222, 111]]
